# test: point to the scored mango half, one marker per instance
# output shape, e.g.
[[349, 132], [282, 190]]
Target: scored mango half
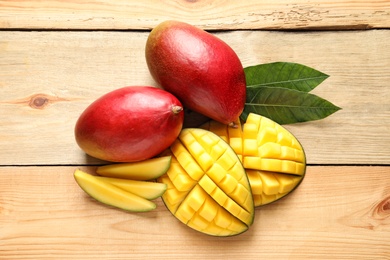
[[207, 187], [273, 158]]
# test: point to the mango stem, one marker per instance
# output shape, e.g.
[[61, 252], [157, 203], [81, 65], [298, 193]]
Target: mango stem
[[177, 109]]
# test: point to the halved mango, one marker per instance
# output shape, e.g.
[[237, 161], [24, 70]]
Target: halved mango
[[110, 194], [145, 189], [208, 189], [273, 158], [142, 171]]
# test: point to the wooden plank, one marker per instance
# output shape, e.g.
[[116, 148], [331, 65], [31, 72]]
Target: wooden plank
[[48, 78], [221, 15], [336, 213]]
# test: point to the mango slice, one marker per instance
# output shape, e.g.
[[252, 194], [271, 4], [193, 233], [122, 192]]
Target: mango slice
[[143, 170], [207, 187], [145, 189], [273, 158], [110, 194]]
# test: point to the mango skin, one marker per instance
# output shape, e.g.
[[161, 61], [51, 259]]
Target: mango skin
[[197, 67], [130, 124]]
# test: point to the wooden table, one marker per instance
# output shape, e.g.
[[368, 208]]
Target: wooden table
[[56, 57]]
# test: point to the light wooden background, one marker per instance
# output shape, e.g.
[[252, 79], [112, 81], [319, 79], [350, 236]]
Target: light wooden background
[[56, 57]]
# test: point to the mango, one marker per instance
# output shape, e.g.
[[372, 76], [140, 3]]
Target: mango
[[207, 187], [273, 158], [146, 189], [130, 124], [110, 194], [200, 69], [149, 169]]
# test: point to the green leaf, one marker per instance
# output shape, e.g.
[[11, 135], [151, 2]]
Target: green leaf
[[285, 75], [286, 106]]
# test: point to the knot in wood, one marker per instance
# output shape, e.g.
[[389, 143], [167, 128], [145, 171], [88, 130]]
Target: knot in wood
[[385, 205], [39, 101], [382, 209]]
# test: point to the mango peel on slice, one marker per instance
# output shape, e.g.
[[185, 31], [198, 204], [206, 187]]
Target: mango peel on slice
[[273, 158], [207, 187]]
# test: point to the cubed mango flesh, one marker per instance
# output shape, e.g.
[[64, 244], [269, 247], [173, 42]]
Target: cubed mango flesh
[[207, 186]]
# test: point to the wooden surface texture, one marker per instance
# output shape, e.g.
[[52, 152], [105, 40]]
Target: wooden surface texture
[[328, 217], [209, 14], [56, 57]]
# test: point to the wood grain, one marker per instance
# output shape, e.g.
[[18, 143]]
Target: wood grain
[[48, 78], [336, 213], [221, 15]]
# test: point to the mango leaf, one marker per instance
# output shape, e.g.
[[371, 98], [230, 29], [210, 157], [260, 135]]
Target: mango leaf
[[285, 75], [286, 106]]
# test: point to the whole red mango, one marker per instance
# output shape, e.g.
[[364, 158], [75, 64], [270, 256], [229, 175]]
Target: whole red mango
[[130, 124], [199, 68]]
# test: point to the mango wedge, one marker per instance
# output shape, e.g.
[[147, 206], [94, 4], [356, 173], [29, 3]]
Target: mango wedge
[[145, 189], [142, 171], [273, 158], [110, 194], [208, 189]]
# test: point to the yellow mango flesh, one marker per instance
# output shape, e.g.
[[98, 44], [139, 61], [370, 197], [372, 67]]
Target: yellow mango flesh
[[207, 187], [145, 189], [273, 158]]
